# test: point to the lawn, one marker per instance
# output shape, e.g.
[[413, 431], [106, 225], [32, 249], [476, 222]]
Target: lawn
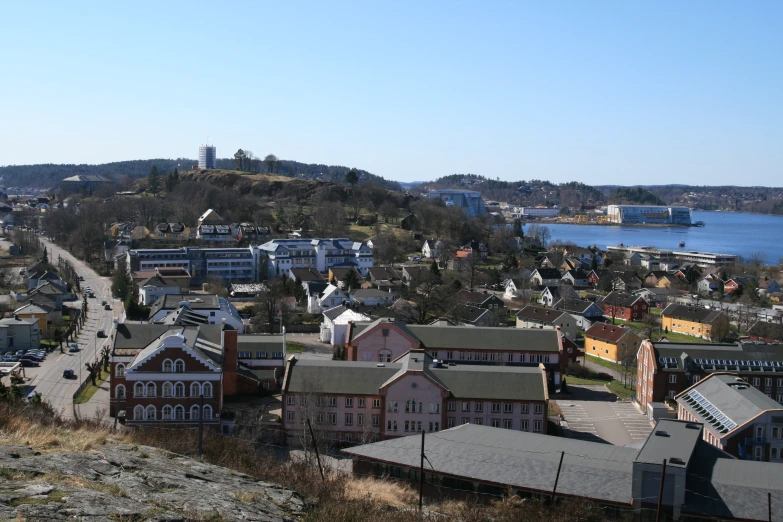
[[573, 379], [635, 325], [358, 232], [90, 390], [602, 362], [654, 311], [682, 338], [294, 347], [621, 391]]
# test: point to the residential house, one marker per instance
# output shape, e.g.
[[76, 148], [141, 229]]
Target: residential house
[[156, 287], [767, 286], [409, 222], [650, 262], [338, 274], [217, 309], [178, 276], [667, 368], [766, 332], [432, 248], [654, 296], [695, 321], [480, 299], [335, 326], [373, 297], [708, 284], [50, 290], [544, 277], [535, 317], [626, 282], [386, 339], [172, 231], [549, 296], [737, 417], [314, 290], [247, 291], [585, 255], [360, 401], [36, 312], [304, 275], [632, 259], [672, 281], [577, 278], [613, 343], [572, 263], [465, 314], [384, 278], [162, 374], [625, 306], [415, 273], [584, 313], [515, 284], [39, 277], [736, 283], [451, 261], [474, 247], [19, 333], [652, 277], [593, 278], [332, 296]]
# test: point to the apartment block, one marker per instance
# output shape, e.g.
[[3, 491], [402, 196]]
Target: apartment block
[[282, 255]]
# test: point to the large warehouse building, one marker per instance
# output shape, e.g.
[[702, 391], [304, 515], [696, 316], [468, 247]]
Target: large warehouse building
[[648, 215]]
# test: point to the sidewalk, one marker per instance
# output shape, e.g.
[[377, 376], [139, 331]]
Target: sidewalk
[[98, 405]]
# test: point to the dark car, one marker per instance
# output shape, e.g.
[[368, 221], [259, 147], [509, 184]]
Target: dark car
[[73, 348], [68, 374], [107, 307], [101, 333], [28, 363], [605, 376]]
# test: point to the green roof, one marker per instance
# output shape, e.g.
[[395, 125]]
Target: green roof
[[492, 382], [344, 377], [486, 338]]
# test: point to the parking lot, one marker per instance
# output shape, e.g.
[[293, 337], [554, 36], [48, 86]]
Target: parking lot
[[596, 415]]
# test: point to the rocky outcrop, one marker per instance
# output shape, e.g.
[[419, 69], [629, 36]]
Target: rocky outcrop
[[121, 482]]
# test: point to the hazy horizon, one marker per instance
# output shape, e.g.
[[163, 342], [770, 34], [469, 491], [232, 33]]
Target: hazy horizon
[[602, 93]]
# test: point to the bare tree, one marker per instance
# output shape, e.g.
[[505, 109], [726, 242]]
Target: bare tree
[[720, 328], [269, 309], [470, 266]]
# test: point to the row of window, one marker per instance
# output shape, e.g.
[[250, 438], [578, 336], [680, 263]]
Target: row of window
[[508, 407], [498, 423], [332, 401], [170, 412], [260, 355], [169, 366], [324, 418], [416, 406], [169, 389]]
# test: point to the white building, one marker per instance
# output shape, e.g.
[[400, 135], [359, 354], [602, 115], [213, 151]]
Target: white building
[[321, 254], [207, 156], [648, 214], [156, 287], [335, 324], [213, 307], [538, 212]]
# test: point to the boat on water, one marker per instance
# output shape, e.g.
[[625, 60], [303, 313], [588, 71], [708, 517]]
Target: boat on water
[[682, 244]]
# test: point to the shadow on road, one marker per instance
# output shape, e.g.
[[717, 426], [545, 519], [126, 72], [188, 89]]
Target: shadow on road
[[588, 437], [590, 393]]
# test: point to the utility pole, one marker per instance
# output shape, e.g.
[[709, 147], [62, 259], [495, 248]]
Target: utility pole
[[557, 477], [660, 492], [317, 455], [201, 428], [421, 471]]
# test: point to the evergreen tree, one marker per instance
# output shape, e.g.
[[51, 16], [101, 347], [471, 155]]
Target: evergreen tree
[[351, 177], [351, 280], [45, 258], [153, 181], [434, 268], [172, 180]]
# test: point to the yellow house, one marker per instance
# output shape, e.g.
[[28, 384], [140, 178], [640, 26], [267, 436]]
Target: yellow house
[[692, 320], [613, 343], [32, 311], [669, 281]]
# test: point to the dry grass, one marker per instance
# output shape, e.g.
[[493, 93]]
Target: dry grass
[[387, 492]]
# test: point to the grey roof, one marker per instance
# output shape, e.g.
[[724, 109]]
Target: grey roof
[[183, 316], [359, 328], [10, 321], [260, 342], [469, 314], [307, 274], [515, 458], [671, 439], [195, 302], [730, 395], [574, 306], [365, 293], [692, 313], [545, 315], [618, 298], [549, 273], [485, 337], [324, 376], [156, 281], [491, 382], [335, 312], [131, 336], [383, 273], [766, 330]]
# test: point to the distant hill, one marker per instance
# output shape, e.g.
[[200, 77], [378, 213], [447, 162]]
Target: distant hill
[[49, 175]]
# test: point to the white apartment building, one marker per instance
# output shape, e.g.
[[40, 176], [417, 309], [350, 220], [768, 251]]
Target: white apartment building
[[281, 255]]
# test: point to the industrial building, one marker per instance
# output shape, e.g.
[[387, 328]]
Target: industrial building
[[648, 215], [469, 201]]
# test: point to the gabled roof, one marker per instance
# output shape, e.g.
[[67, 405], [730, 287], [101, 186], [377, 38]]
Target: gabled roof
[[184, 316], [334, 313], [620, 298], [548, 273], [385, 322], [370, 293], [473, 297], [156, 281], [607, 332], [383, 273], [469, 314], [578, 273], [767, 330], [480, 337], [574, 306], [31, 309], [692, 313], [544, 315], [307, 274]]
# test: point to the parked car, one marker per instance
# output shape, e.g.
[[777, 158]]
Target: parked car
[[103, 303], [101, 333], [81, 278], [107, 307], [68, 374], [91, 295], [73, 348], [29, 363]]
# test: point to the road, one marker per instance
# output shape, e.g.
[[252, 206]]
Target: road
[[48, 378], [763, 314]]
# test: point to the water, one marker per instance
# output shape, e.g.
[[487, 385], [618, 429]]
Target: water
[[725, 233]]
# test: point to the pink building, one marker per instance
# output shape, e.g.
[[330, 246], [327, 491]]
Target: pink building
[[362, 401], [386, 339]]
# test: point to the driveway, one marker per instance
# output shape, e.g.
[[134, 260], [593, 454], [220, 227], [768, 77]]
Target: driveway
[[314, 348], [594, 414]]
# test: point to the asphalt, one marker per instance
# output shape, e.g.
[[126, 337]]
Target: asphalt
[[48, 378]]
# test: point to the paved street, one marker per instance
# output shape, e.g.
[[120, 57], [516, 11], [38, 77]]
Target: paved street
[[48, 379], [595, 415]]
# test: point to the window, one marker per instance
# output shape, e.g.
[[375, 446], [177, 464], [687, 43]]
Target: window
[[759, 433], [206, 389], [332, 402], [138, 412], [452, 406], [179, 412], [384, 356], [152, 413], [179, 390], [290, 400], [349, 402], [434, 407], [756, 381], [360, 419], [672, 393], [167, 388], [376, 403], [391, 406], [673, 379], [537, 409], [167, 366], [167, 412], [391, 425], [495, 407], [774, 454], [495, 423], [119, 391], [362, 403], [151, 389], [179, 366], [758, 453], [525, 408], [523, 426], [696, 379], [768, 382], [376, 420], [290, 416], [465, 406], [510, 357], [780, 383], [479, 406], [207, 411], [195, 389], [195, 412], [537, 426], [775, 432], [319, 401], [349, 419], [119, 371], [450, 422], [507, 424], [449, 355], [508, 408], [434, 426], [302, 401], [465, 420], [478, 421]]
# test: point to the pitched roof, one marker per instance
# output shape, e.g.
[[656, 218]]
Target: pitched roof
[[383, 273], [692, 313], [195, 302], [307, 274], [335, 312], [184, 316], [472, 297], [607, 332], [369, 293], [156, 281], [31, 309], [548, 273], [260, 342], [467, 313], [484, 337], [544, 315], [325, 376], [767, 330], [574, 306], [356, 333], [675, 353], [517, 459], [619, 298]]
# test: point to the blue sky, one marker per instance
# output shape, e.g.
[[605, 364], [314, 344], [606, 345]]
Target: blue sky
[[599, 92]]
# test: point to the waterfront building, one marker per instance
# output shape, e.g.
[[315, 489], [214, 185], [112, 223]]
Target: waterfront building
[[469, 201], [538, 212], [648, 215], [207, 156], [691, 256]]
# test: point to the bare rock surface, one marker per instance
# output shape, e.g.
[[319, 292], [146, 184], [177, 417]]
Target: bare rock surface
[[121, 482]]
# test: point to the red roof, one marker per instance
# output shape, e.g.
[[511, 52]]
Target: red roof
[[607, 332]]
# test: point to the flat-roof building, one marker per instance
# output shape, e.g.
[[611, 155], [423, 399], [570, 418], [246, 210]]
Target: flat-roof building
[[648, 215], [469, 201]]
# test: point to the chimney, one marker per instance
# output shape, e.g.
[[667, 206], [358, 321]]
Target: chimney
[[229, 361]]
